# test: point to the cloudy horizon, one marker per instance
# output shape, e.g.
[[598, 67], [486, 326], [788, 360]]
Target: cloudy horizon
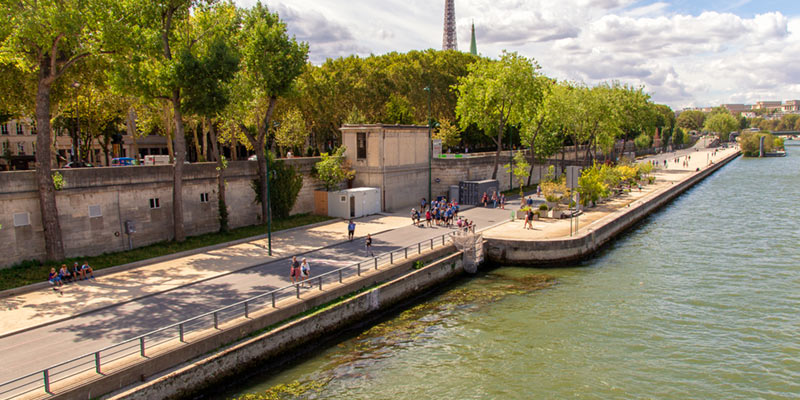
[[686, 54]]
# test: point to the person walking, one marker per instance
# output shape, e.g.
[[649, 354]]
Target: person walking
[[502, 201], [485, 200], [368, 245], [305, 271], [351, 230], [294, 270], [494, 199], [528, 219]]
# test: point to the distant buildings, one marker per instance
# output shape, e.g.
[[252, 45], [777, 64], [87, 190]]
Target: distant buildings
[[769, 109]]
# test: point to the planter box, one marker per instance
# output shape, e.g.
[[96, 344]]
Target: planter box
[[555, 214]]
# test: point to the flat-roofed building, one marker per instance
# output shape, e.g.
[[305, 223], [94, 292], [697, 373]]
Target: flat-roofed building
[[737, 108], [768, 105], [791, 106]]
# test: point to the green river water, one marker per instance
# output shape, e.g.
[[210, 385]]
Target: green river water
[[701, 301]]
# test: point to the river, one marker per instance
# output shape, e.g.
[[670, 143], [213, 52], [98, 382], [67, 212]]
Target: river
[[701, 300]]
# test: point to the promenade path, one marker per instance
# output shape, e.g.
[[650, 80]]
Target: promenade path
[[665, 176], [120, 306]]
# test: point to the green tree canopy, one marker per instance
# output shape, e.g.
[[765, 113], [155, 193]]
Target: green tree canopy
[[691, 120], [723, 124]]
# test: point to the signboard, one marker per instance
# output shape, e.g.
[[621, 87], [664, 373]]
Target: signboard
[[437, 148], [573, 174]]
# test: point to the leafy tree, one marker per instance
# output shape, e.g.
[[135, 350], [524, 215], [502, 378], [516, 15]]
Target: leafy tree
[[42, 42], [494, 95], [448, 134], [643, 141], [744, 123], [721, 123], [332, 169], [520, 170], [692, 120], [398, 110], [286, 183], [591, 185], [271, 62], [797, 125], [665, 122], [788, 122], [292, 132]]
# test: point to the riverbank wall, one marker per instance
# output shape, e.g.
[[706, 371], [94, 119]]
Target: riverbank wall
[[188, 368], [560, 251]]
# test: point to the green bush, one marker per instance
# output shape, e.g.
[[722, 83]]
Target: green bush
[[543, 207], [284, 186]]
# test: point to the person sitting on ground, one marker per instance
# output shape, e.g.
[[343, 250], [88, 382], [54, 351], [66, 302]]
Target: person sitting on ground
[[459, 223], [413, 219], [87, 270], [77, 272], [54, 279], [64, 273]]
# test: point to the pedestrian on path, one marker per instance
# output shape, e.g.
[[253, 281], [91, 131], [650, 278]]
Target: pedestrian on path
[[368, 245], [502, 201], [528, 219], [294, 270], [305, 271], [351, 230], [485, 199], [494, 199]]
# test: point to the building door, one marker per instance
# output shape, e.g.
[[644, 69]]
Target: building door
[[352, 206]]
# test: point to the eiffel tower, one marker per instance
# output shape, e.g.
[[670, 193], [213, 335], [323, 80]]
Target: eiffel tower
[[449, 41]]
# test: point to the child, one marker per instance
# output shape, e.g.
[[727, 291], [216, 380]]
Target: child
[[87, 270], [55, 280]]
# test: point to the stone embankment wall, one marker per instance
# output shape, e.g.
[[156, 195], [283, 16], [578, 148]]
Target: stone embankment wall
[[124, 193], [179, 373], [557, 251]]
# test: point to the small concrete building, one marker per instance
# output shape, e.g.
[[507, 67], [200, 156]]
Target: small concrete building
[[354, 203], [394, 158]]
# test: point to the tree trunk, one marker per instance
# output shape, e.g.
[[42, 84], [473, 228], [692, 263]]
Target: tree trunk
[[197, 150], [206, 154], [180, 157], [53, 243], [131, 126], [222, 205]]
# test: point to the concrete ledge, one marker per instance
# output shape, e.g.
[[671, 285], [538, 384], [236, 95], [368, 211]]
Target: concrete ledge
[[217, 362], [560, 251]]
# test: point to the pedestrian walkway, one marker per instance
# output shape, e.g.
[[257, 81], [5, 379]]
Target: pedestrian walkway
[[46, 306]]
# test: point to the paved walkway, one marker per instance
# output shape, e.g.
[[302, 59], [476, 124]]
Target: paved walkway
[[121, 312], [665, 176]]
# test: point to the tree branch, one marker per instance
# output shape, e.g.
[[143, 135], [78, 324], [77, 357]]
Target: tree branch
[[53, 55]]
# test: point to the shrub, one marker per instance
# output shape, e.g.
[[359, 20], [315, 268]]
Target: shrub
[[284, 186], [543, 207], [333, 169]]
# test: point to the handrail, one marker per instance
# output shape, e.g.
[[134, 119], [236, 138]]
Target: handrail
[[44, 375]]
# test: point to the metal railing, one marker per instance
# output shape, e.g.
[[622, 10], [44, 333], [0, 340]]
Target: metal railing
[[144, 345]]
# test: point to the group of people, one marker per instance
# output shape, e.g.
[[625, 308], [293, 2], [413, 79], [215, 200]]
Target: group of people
[[494, 200], [441, 213], [64, 275], [299, 272]]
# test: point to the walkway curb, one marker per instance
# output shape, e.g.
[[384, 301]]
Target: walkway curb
[[214, 247]]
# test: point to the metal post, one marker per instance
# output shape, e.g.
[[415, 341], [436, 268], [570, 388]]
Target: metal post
[[298, 290], [391, 257], [97, 362], [406, 249], [216, 320], [340, 276], [443, 239], [358, 269], [46, 381], [273, 300], [269, 206], [141, 346], [320, 283], [376, 263], [180, 333], [431, 244], [430, 145], [246, 309], [419, 248]]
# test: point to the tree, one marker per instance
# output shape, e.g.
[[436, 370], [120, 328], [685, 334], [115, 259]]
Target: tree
[[292, 132], [448, 134], [271, 62], [643, 141], [788, 122], [332, 169], [722, 124], [679, 137], [691, 120], [45, 41], [797, 125], [494, 95], [520, 170]]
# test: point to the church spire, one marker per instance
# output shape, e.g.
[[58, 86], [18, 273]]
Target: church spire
[[473, 45]]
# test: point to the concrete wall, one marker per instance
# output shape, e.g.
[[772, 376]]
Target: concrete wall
[[124, 193], [171, 375], [538, 252]]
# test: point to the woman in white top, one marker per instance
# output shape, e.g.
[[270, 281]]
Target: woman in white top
[[305, 271]]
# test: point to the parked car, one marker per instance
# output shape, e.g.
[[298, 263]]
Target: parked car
[[123, 161], [78, 164]]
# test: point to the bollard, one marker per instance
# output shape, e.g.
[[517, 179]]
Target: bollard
[[216, 320], [406, 249], [273, 300], [141, 346], [246, 310], [320, 283], [340, 276], [47, 381], [359, 269], [419, 248], [431, 244], [298, 290], [180, 333], [97, 362], [376, 263], [391, 258]]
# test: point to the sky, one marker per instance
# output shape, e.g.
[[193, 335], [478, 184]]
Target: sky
[[686, 53]]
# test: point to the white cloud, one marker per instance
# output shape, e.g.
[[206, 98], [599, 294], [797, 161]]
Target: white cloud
[[705, 59]]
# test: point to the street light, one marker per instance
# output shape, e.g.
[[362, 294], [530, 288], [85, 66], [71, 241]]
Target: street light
[[430, 144], [75, 145]]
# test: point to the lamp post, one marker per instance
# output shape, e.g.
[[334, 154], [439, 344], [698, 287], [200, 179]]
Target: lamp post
[[75, 145], [430, 144]]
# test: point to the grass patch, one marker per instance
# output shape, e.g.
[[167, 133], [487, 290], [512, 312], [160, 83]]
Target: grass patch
[[515, 191], [28, 272]]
